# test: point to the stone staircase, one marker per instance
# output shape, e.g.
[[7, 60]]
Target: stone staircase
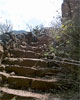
[[27, 76]]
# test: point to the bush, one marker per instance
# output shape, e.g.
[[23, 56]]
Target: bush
[[71, 33]]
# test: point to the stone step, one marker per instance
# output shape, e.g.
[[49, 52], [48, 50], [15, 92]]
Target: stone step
[[68, 65], [28, 62], [32, 48], [32, 72], [40, 43], [35, 83], [21, 53], [37, 49], [10, 94], [35, 44], [66, 60]]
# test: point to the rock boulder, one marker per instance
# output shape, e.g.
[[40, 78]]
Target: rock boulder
[[71, 10]]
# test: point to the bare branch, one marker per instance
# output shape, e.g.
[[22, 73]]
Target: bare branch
[[6, 27]]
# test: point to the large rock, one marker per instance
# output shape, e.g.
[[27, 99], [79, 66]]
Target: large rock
[[71, 10]]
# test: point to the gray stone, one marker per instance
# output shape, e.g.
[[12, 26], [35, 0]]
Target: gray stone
[[71, 10]]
